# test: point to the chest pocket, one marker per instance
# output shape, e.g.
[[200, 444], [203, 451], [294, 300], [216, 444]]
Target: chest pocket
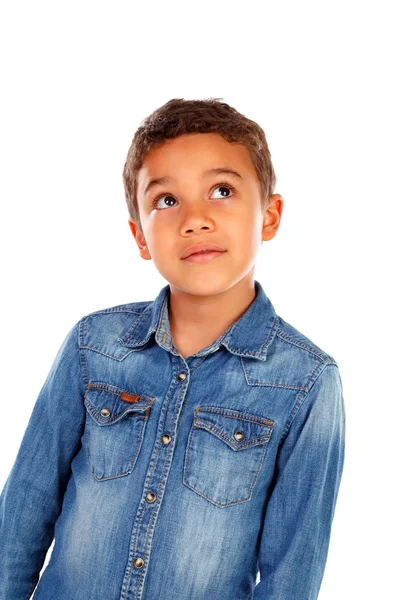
[[224, 454], [114, 429]]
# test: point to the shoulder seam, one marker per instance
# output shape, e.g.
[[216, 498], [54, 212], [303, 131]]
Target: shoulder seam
[[324, 356], [115, 309], [328, 364]]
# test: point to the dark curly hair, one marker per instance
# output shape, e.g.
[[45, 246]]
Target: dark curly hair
[[177, 117]]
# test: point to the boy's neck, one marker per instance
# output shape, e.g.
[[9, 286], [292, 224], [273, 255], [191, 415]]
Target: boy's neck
[[196, 321]]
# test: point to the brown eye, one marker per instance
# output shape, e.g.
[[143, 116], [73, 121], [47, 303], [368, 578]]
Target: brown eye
[[168, 198], [227, 189]]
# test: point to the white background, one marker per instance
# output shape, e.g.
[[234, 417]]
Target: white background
[[321, 78]]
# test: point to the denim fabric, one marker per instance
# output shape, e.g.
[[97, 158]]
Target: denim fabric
[[165, 477]]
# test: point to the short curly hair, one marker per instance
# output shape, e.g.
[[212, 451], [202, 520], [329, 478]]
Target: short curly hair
[[177, 117]]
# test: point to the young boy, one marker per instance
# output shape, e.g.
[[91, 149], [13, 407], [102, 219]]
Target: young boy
[[180, 447]]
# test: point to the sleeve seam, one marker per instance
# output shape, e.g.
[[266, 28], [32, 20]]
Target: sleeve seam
[[301, 400], [80, 350]]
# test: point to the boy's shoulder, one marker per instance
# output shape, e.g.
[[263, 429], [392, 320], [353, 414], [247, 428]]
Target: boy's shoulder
[[104, 327], [296, 341], [293, 362]]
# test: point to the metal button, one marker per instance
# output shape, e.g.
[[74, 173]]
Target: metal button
[[182, 376], [138, 562], [106, 412], [238, 435], [166, 438], [150, 497]]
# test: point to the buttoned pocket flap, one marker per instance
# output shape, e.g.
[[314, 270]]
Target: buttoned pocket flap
[[107, 405], [238, 429]]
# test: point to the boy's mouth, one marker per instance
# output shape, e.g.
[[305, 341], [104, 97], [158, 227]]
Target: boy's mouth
[[203, 256], [202, 249]]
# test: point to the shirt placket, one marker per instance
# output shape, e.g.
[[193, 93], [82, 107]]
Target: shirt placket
[[155, 483]]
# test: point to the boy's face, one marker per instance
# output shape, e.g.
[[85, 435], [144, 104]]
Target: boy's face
[[197, 207]]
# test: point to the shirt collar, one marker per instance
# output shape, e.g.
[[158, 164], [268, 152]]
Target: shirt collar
[[249, 336]]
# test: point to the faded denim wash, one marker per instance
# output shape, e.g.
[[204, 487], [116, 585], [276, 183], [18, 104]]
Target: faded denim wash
[[164, 477]]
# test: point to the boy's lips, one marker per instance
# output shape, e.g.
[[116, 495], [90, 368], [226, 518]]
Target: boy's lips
[[202, 257], [201, 248]]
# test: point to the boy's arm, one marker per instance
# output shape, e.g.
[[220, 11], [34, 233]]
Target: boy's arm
[[299, 514], [32, 496]]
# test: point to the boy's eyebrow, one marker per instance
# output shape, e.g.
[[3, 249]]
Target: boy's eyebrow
[[214, 171]]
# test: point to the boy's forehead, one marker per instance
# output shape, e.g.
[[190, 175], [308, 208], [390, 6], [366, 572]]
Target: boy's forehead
[[195, 153]]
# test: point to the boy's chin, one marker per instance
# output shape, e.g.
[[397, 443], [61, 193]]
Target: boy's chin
[[202, 284]]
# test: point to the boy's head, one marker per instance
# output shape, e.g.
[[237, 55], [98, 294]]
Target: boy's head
[[191, 145]]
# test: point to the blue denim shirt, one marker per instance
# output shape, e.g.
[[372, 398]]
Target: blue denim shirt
[[164, 477]]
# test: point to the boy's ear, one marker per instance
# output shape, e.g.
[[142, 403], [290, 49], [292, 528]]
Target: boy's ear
[[272, 217], [140, 239]]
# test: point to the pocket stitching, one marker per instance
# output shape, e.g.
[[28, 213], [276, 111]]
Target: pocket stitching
[[254, 441], [231, 413], [185, 481], [100, 420], [132, 462]]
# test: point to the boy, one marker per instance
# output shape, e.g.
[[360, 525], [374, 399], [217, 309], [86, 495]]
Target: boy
[[179, 447]]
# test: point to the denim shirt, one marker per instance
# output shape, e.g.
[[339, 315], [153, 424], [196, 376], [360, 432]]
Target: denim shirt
[[165, 477]]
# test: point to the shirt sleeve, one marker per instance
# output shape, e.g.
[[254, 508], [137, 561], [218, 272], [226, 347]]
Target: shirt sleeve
[[300, 510], [31, 499]]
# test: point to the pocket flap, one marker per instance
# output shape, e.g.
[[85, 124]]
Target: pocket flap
[[108, 404], [238, 429]]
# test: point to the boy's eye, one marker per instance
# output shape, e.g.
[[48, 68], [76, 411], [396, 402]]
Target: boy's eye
[[168, 198], [224, 186]]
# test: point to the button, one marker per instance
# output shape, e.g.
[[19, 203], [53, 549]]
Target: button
[[239, 435], [182, 376], [138, 562], [166, 438], [150, 497], [105, 412]]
